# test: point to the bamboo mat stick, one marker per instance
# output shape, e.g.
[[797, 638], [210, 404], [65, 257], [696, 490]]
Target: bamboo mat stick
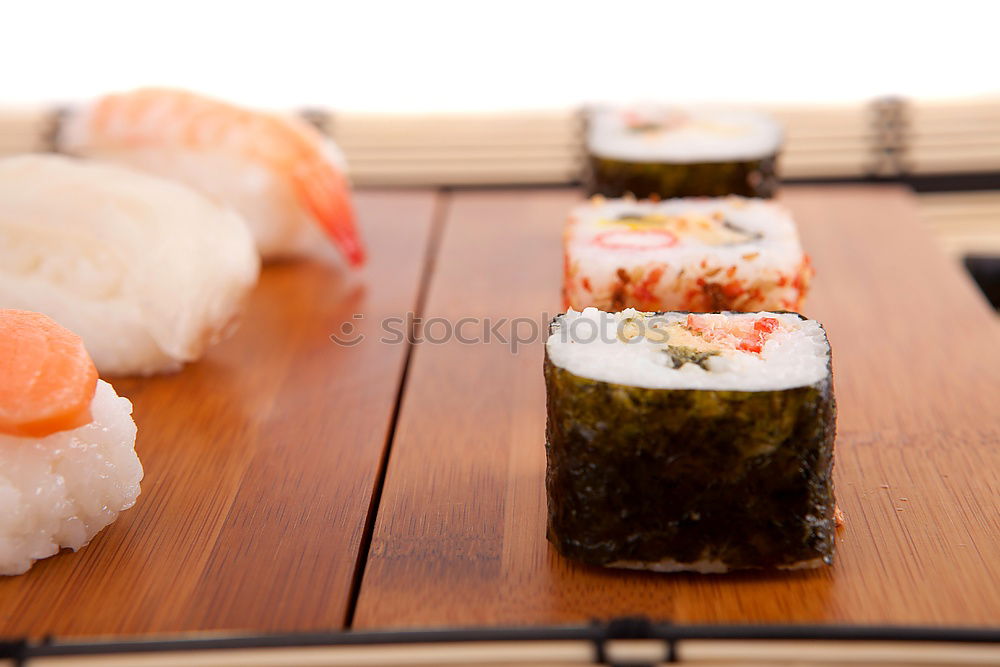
[[564, 653], [485, 653], [836, 653]]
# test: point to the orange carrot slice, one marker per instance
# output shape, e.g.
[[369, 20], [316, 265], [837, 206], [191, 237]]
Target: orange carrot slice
[[47, 379]]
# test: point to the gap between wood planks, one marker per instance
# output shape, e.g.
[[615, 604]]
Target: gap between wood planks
[[438, 218]]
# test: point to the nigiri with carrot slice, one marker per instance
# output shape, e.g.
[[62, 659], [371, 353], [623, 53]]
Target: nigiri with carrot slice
[[281, 174], [67, 443]]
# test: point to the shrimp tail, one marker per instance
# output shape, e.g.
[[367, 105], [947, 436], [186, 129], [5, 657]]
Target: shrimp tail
[[326, 194]]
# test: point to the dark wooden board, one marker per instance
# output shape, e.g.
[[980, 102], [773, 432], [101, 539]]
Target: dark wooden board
[[459, 536], [260, 461]]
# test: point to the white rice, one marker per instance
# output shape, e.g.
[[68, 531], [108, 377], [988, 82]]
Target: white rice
[[588, 344], [689, 135], [61, 490], [146, 271], [703, 566]]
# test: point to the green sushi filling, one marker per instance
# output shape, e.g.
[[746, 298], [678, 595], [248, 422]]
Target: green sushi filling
[[650, 475], [682, 354], [748, 178]]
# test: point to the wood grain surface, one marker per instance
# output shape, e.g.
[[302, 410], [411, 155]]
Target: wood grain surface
[[263, 460], [260, 461], [459, 536]]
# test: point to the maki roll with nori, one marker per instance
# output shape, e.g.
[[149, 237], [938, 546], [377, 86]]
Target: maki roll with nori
[[697, 254], [700, 442], [671, 152]]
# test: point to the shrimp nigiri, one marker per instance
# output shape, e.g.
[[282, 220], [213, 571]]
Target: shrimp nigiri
[[282, 175], [67, 443]]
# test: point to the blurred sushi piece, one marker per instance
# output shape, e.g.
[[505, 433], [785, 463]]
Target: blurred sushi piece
[[67, 443], [147, 271], [698, 254], [280, 173], [665, 152], [680, 441]]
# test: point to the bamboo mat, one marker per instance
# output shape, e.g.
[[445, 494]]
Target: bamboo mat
[[964, 223], [634, 642], [565, 653], [884, 138]]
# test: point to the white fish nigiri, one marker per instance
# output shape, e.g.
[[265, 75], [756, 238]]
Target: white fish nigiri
[[67, 443], [279, 172], [147, 271]]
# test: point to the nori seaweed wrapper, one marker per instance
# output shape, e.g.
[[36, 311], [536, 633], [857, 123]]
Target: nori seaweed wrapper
[[640, 476], [748, 178]]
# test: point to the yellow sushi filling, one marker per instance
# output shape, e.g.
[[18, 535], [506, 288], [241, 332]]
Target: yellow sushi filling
[[679, 334], [711, 229]]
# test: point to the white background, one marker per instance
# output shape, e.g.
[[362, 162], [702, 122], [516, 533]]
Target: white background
[[503, 54]]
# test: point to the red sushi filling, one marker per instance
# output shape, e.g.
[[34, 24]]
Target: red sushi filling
[[742, 334], [636, 240]]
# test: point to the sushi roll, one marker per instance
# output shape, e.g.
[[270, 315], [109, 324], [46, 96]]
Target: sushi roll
[[281, 174], [696, 254], [67, 443], [148, 272], [700, 442], [672, 152]]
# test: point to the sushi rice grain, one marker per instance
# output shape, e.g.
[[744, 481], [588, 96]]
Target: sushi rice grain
[[59, 491]]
